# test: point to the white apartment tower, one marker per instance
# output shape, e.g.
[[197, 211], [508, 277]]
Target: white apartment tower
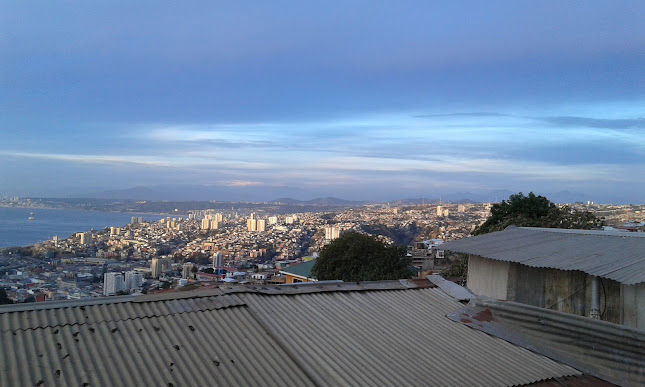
[[332, 232], [218, 260], [187, 270], [133, 280], [112, 283], [261, 225]]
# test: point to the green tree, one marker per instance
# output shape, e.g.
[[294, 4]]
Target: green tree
[[535, 211], [357, 257], [4, 299]]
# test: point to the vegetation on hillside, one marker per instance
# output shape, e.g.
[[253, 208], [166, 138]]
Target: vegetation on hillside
[[535, 211], [357, 257]]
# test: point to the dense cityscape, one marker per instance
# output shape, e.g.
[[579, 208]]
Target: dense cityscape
[[249, 245]]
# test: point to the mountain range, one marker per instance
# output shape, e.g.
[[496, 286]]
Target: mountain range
[[285, 195]]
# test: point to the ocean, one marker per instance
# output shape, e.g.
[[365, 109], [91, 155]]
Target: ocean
[[17, 230]]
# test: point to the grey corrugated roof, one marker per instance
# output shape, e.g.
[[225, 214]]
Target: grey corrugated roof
[[612, 352], [619, 256], [206, 341], [108, 312], [393, 338], [383, 333]]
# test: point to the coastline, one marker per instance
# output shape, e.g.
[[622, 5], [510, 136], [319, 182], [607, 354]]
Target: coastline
[[17, 231], [93, 210]]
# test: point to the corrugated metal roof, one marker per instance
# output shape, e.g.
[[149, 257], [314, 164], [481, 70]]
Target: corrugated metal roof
[[619, 256], [301, 269], [380, 333], [609, 351], [107, 312], [220, 347], [393, 338]]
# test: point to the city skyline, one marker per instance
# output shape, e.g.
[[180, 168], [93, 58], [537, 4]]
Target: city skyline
[[365, 101]]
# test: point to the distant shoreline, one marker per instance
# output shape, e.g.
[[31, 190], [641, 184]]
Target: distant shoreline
[[90, 210]]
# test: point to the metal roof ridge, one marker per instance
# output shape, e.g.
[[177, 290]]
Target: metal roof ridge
[[313, 287], [316, 287], [59, 304], [575, 231]]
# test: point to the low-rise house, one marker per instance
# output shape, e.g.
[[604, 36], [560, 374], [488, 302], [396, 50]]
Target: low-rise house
[[584, 272], [300, 272]]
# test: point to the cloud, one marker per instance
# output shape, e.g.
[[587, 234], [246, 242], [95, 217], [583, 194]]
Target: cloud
[[91, 159], [241, 183], [599, 123], [148, 161], [468, 114]]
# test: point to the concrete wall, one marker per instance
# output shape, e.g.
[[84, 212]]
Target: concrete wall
[[560, 290], [565, 291], [633, 311], [526, 285], [487, 277], [610, 305]]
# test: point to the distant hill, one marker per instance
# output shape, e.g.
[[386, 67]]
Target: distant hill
[[328, 201]]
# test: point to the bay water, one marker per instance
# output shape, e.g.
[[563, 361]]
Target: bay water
[[17, 230]]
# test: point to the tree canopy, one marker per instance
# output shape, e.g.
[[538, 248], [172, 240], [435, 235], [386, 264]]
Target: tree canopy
[[4, 299], [357, 257], [535, 211]]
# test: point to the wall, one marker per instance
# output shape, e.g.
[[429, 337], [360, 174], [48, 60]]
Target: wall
[[610, 306], [526, 284], [565, 291], [559, 290], [487, 277], [290, 279], [633, 311]]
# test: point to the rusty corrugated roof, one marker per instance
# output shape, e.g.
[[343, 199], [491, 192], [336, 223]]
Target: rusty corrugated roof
[[619, 256]]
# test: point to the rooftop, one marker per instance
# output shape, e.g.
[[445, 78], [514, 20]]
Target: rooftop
[[300, 269], [372, 333], [619, 256]]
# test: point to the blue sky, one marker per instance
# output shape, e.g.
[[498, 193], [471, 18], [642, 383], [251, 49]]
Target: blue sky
[[357, 99]]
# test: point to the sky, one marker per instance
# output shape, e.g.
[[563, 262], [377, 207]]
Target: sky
[[363, 100]]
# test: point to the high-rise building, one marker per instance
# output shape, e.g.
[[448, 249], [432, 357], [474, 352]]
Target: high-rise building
[[273, 220], [206, 223], [155, 268], [261, 225], [252, 224], [218, 260], [133, 280], [159, 266], [86, 238], [112, 283], [332, 232], [461, 208], [187, 270], [439, 211]]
